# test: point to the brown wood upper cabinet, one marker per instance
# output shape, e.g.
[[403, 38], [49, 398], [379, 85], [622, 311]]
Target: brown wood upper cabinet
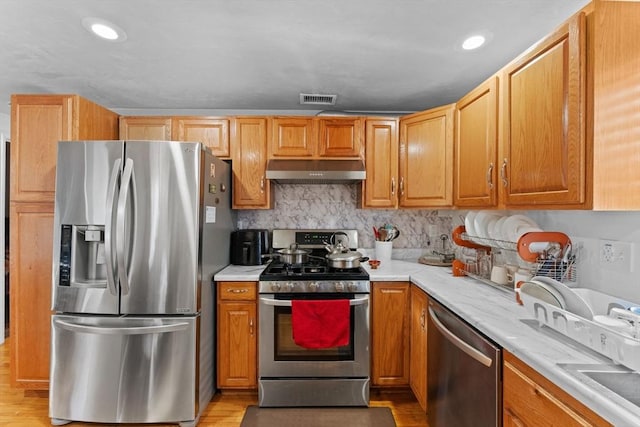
[[380, 189], [426, 158], [213, 132], [314, 137], [38, 122], [616, 116], [251, 189], [145, 128], [476, 146], [543, 156]]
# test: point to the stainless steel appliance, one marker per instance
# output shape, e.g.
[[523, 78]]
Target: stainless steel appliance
[[293, 375], [249, 246], [140, 228], [464, 384]]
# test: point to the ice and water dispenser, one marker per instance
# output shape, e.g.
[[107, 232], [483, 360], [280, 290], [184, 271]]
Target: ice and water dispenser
[[82, 257]]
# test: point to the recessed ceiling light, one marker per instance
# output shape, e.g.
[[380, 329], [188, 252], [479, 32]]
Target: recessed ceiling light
[[104, 29], [473, 42]]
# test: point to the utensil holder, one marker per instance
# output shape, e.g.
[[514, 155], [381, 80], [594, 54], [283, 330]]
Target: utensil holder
[[383, 250]]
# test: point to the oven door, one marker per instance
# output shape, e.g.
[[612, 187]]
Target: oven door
[[281, 357]]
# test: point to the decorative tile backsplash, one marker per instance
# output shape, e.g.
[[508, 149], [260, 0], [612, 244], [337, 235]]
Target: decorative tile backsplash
[[336, 206]]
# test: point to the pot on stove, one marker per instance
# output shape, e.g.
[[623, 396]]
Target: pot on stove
[[348, 259], [293, 255]]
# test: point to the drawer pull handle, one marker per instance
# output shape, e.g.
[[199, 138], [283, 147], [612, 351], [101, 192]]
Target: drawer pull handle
[[237, 291]]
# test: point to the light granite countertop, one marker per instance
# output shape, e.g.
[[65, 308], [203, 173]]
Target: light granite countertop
[[495, 313]]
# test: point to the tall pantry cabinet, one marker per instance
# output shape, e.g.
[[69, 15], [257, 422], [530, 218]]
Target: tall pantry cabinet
[[38, 122]]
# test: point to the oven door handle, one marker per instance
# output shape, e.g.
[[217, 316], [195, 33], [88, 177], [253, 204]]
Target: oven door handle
[[287, 302]]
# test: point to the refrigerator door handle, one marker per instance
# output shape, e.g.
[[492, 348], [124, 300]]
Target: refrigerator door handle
[[110, 330], [108, 244], [128, 178]]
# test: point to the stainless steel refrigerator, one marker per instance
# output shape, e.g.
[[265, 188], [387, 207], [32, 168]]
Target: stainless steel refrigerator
[[140, 228]]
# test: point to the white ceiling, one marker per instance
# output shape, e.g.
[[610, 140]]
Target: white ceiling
[[376, 55]]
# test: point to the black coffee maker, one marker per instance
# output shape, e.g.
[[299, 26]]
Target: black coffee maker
[[248, 246]]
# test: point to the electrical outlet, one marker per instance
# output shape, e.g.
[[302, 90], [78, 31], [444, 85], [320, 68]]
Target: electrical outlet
[[615, 255]]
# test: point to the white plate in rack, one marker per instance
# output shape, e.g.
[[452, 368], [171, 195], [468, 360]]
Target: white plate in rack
[[483, 222], [542, 292], [574, 303], [468, 224]]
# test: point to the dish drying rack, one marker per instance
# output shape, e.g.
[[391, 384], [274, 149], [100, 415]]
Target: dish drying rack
[[621, 348], [545, 253]]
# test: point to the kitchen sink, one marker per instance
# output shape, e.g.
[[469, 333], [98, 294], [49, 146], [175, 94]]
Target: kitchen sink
[[621, 380]]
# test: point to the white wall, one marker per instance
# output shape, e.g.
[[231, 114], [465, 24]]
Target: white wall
[[5, 124], [588, 229]]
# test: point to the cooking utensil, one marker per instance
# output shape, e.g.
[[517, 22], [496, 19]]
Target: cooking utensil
[[293, 255], [349, 259]]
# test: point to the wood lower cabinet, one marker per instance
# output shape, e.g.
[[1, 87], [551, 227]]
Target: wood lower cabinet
[[544, 154], [31, 258], [380, 189], [251, 189], [530, 400], [213, 132], [426, 158], [418, 354], [390, 305], [145, 128], [476, 146], [237, 335], [38, 122]]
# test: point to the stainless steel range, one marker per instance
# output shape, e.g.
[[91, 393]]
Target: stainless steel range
[[291, 374]]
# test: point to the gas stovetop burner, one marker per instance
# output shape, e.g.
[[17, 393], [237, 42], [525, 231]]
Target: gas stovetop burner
[[316, 269], [279, 271]]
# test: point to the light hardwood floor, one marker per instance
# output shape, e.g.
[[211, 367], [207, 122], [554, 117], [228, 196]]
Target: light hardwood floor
[[19, 408]]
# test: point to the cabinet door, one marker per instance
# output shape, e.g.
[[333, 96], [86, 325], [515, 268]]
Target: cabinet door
[[211, 131], [237, 345], [390, 334], [30, 272], [616, 112], [340, 137], [531, 400], [293, 137], [418, 358], [381, 151], [476, 142], [145, 128], [426, 158], [37, 124], [543, 159], [251, 190]]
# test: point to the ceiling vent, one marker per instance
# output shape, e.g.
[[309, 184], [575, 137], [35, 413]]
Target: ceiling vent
[[317, 99]]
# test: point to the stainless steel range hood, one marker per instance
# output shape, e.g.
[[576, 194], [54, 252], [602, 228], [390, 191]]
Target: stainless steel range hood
[[316, 171]]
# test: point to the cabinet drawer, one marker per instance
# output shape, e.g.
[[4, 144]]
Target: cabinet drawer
[[531, 400], [236, 291]]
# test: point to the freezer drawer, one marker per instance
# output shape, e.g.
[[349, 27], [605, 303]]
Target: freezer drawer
[[123, 370]]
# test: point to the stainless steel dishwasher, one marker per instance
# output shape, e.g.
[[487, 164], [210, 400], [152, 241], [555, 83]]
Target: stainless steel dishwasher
[[464, 385]]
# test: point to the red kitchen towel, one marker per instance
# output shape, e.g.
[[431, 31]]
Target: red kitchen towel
[[321, 323]]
